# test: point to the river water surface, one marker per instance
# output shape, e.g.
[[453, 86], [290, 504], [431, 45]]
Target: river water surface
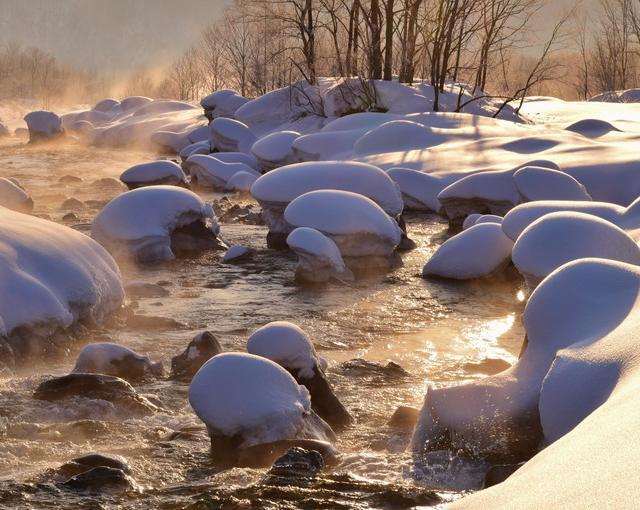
[[441, 333]]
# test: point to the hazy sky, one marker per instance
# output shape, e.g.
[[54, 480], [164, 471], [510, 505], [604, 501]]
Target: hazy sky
[[107, 33]]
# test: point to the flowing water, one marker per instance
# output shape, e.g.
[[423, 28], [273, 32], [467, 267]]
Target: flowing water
[[441, 333]]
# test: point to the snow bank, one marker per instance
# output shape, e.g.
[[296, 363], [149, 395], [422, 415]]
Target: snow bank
[[113, 359], [478, 251], [275, 149], [230, 135], [52, 277], [141, 223], [14, 197], [153, 173], [210, 172], [560, 237], [43, 125], [249, 396], [319, 258]]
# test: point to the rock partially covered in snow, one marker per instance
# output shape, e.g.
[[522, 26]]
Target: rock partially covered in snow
[[201, 349], [222, 103], [248, 401], [479, 251], [43, 126], [289, 346], [560, 237], [538, 183], [155, 222], [211, 172], [229, 135], [52, 277], [365, 235], [113, 359], [154, 173], [319, 258], [13, 196], [276, 149]]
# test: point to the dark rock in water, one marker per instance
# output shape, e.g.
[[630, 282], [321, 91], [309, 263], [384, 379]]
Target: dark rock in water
[[499, 473], [277, 241], [406, 244], [95, 386], [136, 321], [101, 479], [297, 463], [90, 461], [404, 418], [487, 366], [145, 290], [364, 368], [203, 347], [69, 179], [70, 217], [323, 399], [194, 237], [72, 203]]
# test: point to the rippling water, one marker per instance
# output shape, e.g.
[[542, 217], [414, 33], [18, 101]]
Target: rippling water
[[442, 333]]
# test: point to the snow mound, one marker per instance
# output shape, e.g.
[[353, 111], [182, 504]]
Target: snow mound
[[287, 344], [105, 105], [241, 181], [397, 135], [481, 250], [560, 237], [159, 106], [210, 172], [94, 117], [199, 134], [230, 135], [326, 145], [170, 142], [113, 359], [195, 148], [236, 252], [488, 218], [43, 125], [249, 396], [538, 183], [419, 190], [153, 173], [238, 157], [140, 223], [13, 197], [222, 103], [131, 103], [593, 128], [319, 258], [275, 149], [52, 277]]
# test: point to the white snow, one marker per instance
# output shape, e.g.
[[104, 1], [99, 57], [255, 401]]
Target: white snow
[[318, 256], [169, 141], [223, 103], [470, 220], [241, 181], [159, 106], [238, 157], [419, 190], [210, 172], [159, 172], [275, 149], [230, 135], [398, 135], [287, 344], [99, 358], [139, 223], [538, 183], [235, 252], [52, 275], [478, 251], [43, 125], [250, 396], [14, 197], [106, 104], [195, 148]]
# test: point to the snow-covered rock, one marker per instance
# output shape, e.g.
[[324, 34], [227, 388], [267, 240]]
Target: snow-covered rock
[[199, 134], [479, 251], [238, 157], [319, 258], [113, 359], [81, 127], [154, 222], [222, 103], [53, 276], [419, 190], [560, 237], [538, 183], [252, 401], [158, 106], [210, 172], [488, 218], [14, 197], [365, 235], [154, 173], [195, 148], [43, 126], [170, 142], [105, 105], [397, 135], [470, 220], [230, 135], [132, 103], [241, 181], [275, 149], [94, 117]]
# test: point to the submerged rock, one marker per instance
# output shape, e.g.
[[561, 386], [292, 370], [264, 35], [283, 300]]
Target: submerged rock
[[101, 479], [201, 349], [92, 460]]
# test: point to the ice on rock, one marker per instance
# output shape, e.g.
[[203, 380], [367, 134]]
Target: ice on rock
[[105, 105], [419, 190], [397, 135], [151, 223], [276, 189], [43, 126], [479, 251], [251, 399], [230, 135], [113, 359], [154, 173], [222, 103], [275, 149], [241, 181], [210, 172], [319, 258], [560, 237], [538, 183], [37, 300], [365, 235], [14, 197]]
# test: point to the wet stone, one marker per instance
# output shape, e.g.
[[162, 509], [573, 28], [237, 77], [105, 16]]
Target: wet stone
[[101, 479], [145, 290], [499, 473], [90, 461], [404, 418], [297, 463], [203, 347], [363, 368]]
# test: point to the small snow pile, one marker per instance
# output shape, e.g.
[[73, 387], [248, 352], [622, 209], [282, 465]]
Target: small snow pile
[[276, 189], [319, 258], [213, 173], [361, 229], [592, 128], [14, 197], [538, 183], [239, 157], [93, 117], [250, 397], [154, 173], [419, 190], [113, 359], [106, 104], [230, 135], [275, 150], [479, 251], [150, 223], [52, 277], [560, 237], [241, 181], [43, 126], [222, 103], [586, 315]]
